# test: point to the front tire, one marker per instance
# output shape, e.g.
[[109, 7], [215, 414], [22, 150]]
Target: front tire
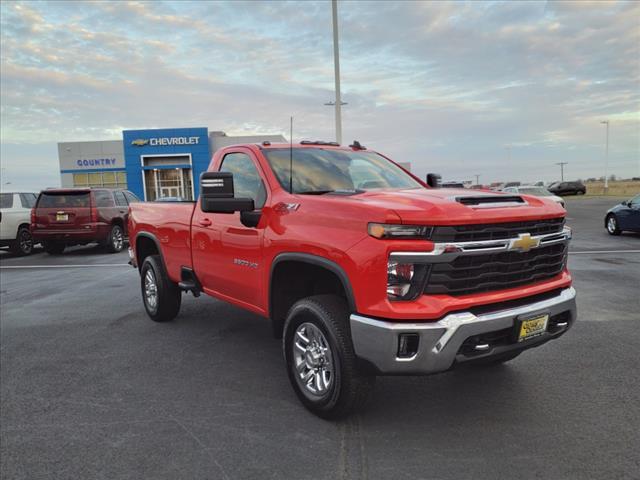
[[23, 244], [54, 248], [612, 225], [115, 240], [321, 363], [161, 297]]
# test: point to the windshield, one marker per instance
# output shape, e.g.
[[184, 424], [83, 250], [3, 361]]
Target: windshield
[[538, 191], [316, 170]]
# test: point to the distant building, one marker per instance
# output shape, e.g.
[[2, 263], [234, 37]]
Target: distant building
[[151, 163]]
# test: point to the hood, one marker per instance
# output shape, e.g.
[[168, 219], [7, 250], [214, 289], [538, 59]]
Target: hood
[[455, 206]]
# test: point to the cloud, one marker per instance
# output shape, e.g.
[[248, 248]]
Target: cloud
[[445, 86]]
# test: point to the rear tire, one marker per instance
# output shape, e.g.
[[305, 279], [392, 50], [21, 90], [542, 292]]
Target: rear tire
[[23, 244], [161, 297], [115, 240], [321, 363], [611, 225], [54, 248]]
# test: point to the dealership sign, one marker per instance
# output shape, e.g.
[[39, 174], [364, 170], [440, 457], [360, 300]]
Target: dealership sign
[[96, 162], [165, 141]]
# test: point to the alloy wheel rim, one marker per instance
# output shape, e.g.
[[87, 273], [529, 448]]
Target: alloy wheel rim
[[26, 242], [150, 290], [313, 360], [611, 224], [117, 239]]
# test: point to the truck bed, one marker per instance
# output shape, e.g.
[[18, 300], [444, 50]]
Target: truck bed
[[170, 223]]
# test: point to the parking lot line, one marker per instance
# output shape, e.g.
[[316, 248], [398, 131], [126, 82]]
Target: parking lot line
[[597, 252], [17, 267]]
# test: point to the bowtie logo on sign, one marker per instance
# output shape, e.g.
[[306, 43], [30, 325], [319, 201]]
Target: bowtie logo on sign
[[166, 141]]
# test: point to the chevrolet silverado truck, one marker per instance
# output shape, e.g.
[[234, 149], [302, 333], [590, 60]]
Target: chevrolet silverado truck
[[362, 269]]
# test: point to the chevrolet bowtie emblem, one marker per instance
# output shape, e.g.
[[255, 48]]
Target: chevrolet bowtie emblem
[[523, 243], [140, 142]]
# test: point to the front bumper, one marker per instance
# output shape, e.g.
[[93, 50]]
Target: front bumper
[[445, 342]]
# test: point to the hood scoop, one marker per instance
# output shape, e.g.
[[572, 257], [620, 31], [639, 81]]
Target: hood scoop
[[492, 201]]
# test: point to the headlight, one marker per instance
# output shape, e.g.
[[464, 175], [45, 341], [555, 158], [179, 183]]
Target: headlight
[[415, 232], [405, 281]]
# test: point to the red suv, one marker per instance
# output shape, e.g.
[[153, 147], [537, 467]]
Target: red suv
[[77, 216]]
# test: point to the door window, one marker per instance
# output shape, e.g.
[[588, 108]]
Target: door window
[[131, 198], [120, 200], [246, 179], [103, 198], [28, 200], [635, 202]]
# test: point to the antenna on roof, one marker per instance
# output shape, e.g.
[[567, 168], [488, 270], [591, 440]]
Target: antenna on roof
[[291, 157]]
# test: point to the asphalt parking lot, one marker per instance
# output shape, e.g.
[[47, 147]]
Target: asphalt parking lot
[[91, 388]]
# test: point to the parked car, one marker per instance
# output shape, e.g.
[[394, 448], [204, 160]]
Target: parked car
[[567, 188], [76, 216], [15, 219], [363, 269], [623, 217], [535, 191]]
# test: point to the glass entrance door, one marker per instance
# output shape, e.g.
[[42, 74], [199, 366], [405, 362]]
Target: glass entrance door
[[168, 182]]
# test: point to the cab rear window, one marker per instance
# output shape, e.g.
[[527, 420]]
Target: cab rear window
[[68, 200]]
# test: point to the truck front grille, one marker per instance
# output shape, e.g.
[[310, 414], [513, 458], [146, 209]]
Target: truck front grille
[[496, 271], [496, 231]]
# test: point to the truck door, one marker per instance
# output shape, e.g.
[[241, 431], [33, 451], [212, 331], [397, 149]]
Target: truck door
[[227, 256]]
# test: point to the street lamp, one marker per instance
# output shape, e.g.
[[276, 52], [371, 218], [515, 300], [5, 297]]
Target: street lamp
[[606, 159], [562, 164], [336, 63]]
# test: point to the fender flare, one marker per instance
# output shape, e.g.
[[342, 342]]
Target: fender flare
[[152, 237], [317, 261]]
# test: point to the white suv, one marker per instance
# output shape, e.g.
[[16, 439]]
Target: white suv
[[15, 220]]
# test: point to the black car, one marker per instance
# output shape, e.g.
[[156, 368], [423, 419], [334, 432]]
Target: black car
[[567, 188], [624, 216]]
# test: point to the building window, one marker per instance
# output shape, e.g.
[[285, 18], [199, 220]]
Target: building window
[[100, 179]]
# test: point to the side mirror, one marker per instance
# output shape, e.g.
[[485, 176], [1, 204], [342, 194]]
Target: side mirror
[[433, 180], [216, 194]]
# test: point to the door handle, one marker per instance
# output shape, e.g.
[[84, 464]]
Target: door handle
[[205, 222]]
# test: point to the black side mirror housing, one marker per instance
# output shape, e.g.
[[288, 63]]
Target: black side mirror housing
[[433, 180], [217, 195]]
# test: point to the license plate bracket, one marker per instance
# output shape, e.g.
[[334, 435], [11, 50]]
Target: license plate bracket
[[530, 326]]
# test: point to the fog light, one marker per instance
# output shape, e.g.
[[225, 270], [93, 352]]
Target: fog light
[[408, 345], [399, 277]]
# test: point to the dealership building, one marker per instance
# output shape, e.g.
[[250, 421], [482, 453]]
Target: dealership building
[[151, 163]]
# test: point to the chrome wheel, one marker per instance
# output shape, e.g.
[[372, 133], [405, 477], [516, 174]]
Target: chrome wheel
[[25, 241], [150, 290], [313, 360], [612, 225], [117, 239]]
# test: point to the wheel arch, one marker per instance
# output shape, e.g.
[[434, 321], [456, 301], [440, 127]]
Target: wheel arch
[[308, 273], [147, 244]]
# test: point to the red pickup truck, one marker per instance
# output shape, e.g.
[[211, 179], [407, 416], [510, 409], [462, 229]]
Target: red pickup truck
[[361, 267]]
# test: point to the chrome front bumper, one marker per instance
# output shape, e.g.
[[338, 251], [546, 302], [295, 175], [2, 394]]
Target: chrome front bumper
[[376, 341]]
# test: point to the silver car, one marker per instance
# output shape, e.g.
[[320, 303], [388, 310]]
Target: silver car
[[535, 191]]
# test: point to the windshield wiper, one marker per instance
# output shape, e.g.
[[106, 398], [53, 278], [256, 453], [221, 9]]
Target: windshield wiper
[[315, 192], [323, 192]]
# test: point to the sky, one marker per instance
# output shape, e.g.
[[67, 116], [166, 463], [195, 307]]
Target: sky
[[501, 89]]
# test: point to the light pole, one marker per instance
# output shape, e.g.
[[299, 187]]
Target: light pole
[[336, 64], [508, 147], [477, 175], [606, 159], [562, 164]]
